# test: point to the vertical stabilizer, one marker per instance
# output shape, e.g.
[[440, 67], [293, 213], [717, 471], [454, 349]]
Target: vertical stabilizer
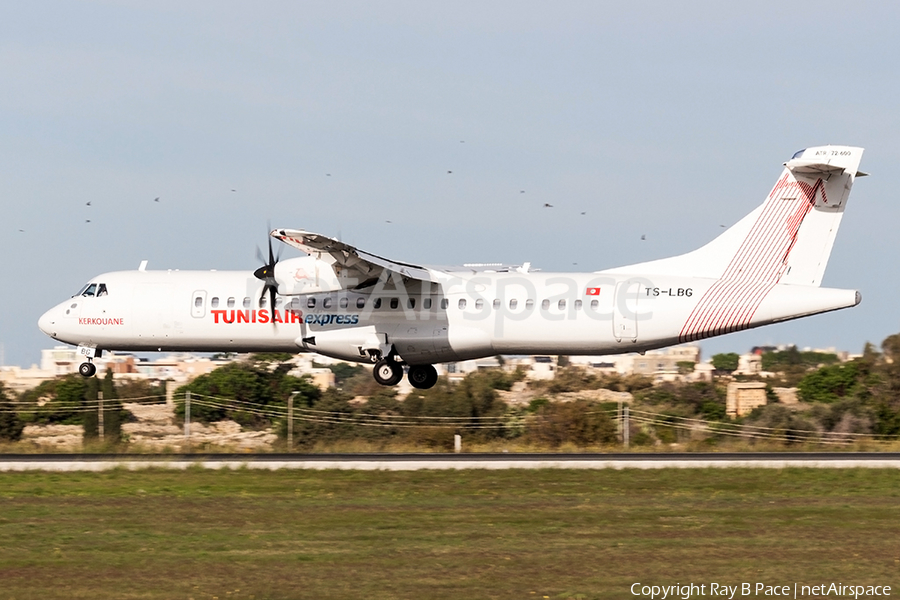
[[787, 239]]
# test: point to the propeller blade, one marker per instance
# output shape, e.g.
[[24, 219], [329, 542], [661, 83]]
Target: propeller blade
[[272, 292]]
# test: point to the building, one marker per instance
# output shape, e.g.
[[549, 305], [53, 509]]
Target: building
[[743, 397]]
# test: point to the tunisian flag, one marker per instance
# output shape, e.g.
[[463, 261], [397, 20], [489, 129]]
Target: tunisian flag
[[592, 292]]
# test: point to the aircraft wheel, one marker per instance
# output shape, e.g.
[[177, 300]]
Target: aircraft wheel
[[387, 372], [87, 369], [422, 376]]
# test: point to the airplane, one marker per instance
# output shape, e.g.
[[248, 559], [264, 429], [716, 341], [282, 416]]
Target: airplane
[[349, 304]]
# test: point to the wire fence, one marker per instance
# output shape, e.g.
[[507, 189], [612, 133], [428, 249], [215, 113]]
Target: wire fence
[[517, 419]]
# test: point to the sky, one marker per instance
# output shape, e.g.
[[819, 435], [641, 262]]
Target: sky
[[659, 120]]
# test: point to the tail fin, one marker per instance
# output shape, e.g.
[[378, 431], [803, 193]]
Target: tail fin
[[788, 239]]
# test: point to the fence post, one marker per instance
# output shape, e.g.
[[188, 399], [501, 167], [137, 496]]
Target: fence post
[[187, 416], [100, 415], [626, 432], [619, 422], [290, 423]]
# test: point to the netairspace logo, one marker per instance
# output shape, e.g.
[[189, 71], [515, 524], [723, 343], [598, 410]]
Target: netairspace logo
[[794, 590]]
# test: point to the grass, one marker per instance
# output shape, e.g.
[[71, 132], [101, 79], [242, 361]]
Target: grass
[[206, 534]]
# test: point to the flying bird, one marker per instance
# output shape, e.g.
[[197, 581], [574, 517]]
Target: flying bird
[[547, 205], [88, 204], [521, 191], [388, 221], [157, 198], [87, 220], [233, 190], [327, 174], [22, 230], [449, 171], [584, 213], [643, 236]]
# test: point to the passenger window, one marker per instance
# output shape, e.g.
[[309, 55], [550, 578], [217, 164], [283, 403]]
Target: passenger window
[[360, 303], [479, 304], [295, 304], [545, 305], [310, 302], [462, 304], [411, 303], [426, 303], [214, 302], [344, 302], [529, 304], [377, 303], [561, 305], [513, 304], [595, 304], [395, 302], [278, 302], [578, 305], [246, 302], [445, 303], [262, 302], [231, 303], [326, 303], [198, 301], [496, 303]]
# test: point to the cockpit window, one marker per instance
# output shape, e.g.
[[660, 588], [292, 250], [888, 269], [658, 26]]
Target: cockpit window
[[798, 154], [101, 289], [90, 290]]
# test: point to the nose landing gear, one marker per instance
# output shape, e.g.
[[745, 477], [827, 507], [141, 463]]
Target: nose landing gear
[[87, 369]]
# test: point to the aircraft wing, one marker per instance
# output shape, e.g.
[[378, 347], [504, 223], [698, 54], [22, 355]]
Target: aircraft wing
[[365, 267]]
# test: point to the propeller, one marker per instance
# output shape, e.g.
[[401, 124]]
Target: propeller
[[266, 273]]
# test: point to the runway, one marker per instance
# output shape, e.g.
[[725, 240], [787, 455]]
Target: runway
[[412, 462]]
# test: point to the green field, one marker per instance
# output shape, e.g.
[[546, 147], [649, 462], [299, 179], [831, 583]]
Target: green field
[[440, 534]]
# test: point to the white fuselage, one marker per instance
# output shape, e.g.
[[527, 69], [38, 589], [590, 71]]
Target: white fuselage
[[460, 314]]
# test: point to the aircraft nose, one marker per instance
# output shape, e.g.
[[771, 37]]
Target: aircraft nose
[[47, 323]]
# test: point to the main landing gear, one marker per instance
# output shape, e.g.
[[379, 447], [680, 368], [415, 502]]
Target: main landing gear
[[388, 372], [422, 376]]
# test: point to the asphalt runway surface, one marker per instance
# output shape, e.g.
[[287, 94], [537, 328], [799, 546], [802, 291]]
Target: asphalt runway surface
[[411, 462]]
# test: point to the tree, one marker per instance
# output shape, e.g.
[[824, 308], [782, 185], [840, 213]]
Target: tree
[[579, 422], [343, 372], [245, 391], [727, 362], [829, 384], [90, 419], [113, 412], [11, 425], [56, 401]]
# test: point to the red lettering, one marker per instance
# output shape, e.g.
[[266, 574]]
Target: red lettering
[[253, 315], [276, 316], [216, 313], [228, 316], [296, 316], [243, 316], [262, 316]]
